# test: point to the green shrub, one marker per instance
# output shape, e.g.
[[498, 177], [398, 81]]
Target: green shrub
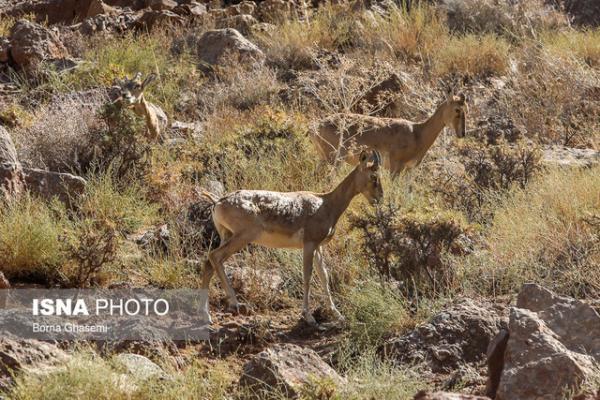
[[409, 246], [374, 311]]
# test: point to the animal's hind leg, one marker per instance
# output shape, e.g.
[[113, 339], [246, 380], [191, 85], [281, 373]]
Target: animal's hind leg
[[208, 271], [217, 257]]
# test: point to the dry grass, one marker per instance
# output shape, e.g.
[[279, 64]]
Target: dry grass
[[547, 233], [472, 56], [30, 244], [584, 46]]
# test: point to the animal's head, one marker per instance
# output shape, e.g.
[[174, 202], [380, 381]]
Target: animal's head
[[132, 90], [368, 176], [456, 112]]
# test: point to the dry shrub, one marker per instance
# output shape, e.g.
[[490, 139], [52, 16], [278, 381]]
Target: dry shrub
[[410, 247], [472, 56], [60, 135], [502, 17], [489, 171], [413, 34], [270, 151], [558, 110], [294, 44], [237, 86]]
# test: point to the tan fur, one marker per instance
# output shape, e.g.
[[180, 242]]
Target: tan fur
[[132, 96], [303, 220], [402, 143]]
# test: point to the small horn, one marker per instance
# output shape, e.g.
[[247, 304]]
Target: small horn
[[377, 157]]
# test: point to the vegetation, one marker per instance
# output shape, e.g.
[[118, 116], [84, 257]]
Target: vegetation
[[479, 217]]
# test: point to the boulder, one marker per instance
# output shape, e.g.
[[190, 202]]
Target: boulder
[[275, 11], [160, 5], [287, 368], [152, 18], [570, 157], [460, 335], [47, 184], [213, 45], [190, 10], [381, 97], [252, 281], [27, 355], [97, 7], [11, 172], [553, 346], [423, 395], [246, 7], [54, 12], [32, 44], [242, 23], [108, 23], [139, 366]]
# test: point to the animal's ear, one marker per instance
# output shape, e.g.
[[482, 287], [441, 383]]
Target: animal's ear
[[461, 98], [149, 79], [364, 157]]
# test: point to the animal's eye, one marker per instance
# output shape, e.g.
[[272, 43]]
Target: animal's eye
[[457, 112]]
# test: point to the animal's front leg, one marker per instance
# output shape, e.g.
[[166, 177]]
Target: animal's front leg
[[324, 277], [309, 253]]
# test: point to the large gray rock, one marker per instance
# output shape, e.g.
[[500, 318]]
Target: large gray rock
[[154, 18], [215, 44], [554, 345], [563, 156], [31, 44], [139, 366], [287, 368], [47, 184], [242, 22], [11, 172], [459, 335], [27, 355]]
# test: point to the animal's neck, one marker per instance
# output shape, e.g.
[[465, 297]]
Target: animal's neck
[[143, 110], [339, 198], [429, 130]]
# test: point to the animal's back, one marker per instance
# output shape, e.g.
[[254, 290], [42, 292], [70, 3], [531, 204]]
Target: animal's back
[[382, 134], [278, 217]]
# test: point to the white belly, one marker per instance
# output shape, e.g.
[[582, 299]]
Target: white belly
[[280, 240]]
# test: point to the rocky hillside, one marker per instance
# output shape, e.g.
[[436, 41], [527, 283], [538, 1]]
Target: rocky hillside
[[477, 275]]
